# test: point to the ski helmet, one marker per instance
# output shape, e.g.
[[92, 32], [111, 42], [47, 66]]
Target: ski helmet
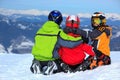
[[98, 18], [72, 21], [55, 16]]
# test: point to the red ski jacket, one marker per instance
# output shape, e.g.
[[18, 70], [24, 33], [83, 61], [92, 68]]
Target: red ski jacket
[[76, 55]]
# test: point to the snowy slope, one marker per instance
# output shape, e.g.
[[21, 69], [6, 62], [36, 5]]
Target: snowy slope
[[16, 67]]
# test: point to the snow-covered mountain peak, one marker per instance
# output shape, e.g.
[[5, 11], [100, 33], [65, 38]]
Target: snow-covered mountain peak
[[113, 16], [2, 49], [25, 12], [36, 12]]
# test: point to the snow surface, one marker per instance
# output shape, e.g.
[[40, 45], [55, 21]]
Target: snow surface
[[16, 67]]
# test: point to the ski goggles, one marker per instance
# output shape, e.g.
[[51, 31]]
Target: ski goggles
[[104, 21], [96, 21]]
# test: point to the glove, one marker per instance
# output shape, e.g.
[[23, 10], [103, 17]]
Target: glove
[[35, 67], [101, 29], [85, 40]]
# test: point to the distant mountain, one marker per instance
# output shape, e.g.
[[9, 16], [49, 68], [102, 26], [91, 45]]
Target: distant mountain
[[14, 32], [18, 28]]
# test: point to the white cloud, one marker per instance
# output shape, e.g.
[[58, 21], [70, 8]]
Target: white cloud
[[3, 11], [28, 12], [86, 15]]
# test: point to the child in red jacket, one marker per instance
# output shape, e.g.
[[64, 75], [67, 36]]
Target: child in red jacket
[[74, 58]]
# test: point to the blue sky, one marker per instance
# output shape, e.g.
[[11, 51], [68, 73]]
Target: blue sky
[[65, 6]]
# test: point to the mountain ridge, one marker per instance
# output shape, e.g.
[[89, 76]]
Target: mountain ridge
[[17, 31]]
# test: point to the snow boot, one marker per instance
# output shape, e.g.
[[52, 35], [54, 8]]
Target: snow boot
[[104, 61], [93, 64], [83, 66], [79, 68], [51, 67], [35, 67], [65, 68]]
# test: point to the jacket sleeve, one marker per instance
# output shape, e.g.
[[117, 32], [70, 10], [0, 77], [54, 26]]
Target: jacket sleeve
[[65, 43], [68, 43], [67, 37], [94, 33], [82, 33], [108, 31]]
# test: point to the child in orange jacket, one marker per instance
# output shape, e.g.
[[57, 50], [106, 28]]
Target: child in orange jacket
[[100, 36]]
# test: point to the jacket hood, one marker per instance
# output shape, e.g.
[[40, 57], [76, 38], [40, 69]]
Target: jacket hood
[[50, 26]]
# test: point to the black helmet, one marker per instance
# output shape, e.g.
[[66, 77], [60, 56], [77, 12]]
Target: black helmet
[[100, 17], [55, 16]]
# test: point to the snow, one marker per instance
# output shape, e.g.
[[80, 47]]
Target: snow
[[16, 67], [25, 44], [22, 26], [114, 16], [2, 49], [5, 20], [20, 43], [116, 35]]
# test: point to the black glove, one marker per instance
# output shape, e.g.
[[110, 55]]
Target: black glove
[[85, 40], [35, 67]]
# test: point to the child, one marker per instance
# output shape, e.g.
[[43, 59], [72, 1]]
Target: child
[[74, 58], [47, 41], [100, 36]]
